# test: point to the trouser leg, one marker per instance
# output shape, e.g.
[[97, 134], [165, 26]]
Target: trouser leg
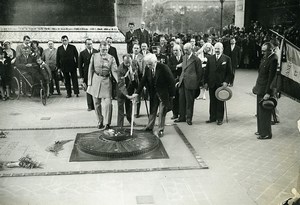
[[107, 111], [98, 109], [263, 119], [162, 116], [128, 108], [154, 103], [75, 82], [212, 104], [189, 98], [120, 122], [89, 99], [68, 82], [182, 104], [176, 103]]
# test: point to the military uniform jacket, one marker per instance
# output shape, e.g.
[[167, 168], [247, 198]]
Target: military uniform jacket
[[101, 69]]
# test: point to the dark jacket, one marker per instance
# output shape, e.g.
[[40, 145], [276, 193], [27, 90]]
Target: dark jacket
[[191, 74], [219, 71], [84, 62], [143, 37], [129, 37], [163, 83], [67, 60], [172, 65], [126, 84], [266, 74], [235, 55], [113, 51]]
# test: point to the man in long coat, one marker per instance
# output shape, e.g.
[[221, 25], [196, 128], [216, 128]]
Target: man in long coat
[[160, 84], [102, 68], [189, 82], [266, 74], [67, 62]]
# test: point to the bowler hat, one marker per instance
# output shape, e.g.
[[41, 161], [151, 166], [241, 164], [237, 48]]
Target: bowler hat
[[223, 93], [270, 103]]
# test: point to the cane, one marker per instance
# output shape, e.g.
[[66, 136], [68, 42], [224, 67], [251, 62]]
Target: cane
[[132, 117], [226, 111], [146, 105]]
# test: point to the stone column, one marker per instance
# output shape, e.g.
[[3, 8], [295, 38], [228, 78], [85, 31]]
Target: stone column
[[239, 13], [129, 11]]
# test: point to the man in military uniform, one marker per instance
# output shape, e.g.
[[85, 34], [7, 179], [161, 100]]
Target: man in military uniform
[[102, 68]]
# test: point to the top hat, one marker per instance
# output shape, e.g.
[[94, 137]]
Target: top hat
[[270, 103], [223, 93]]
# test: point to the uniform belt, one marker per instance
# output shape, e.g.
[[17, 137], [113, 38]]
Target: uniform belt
[[101, 74]]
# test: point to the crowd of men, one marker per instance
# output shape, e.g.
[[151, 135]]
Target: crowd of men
[[170, 72]]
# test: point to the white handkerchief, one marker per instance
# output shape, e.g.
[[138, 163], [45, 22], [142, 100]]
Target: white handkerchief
[[224, 63]]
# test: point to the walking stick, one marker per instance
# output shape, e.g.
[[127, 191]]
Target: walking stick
[[226, 111], [132, 117], [144, 95]]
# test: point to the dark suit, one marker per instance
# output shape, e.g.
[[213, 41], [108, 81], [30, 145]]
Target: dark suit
[[129, 37], [173, 62], [235, 56], [189, 82], [266, 74], [67, 61], [83, 65], [127, 86], [143, 36], [113, 51], [217, 72], [160, 87]]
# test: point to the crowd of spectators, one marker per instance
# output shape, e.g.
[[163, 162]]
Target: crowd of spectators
[[250, 39]]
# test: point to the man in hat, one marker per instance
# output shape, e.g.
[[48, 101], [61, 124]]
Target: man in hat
[[266, 74], [218, 73]]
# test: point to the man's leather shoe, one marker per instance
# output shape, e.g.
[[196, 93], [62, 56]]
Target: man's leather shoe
[[189, 122], [137, 115], [256, 133], [180, 120], [77, 95], [210, 121], [68, 96], [100, 126], [160, 134], [219, 122], [89, 109], [174, 117], [264, 137]]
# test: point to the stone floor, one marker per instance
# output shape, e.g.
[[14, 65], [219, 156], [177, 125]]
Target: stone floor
[[242, 170]]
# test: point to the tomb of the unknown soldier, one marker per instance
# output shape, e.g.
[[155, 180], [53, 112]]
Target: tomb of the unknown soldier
[[149, 102]]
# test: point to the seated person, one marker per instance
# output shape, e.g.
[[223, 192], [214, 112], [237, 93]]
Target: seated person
[[4, 68], [46, 73], [28, 67]]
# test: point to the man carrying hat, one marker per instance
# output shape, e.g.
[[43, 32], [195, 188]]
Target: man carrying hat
[[218, 73], [266, 74]]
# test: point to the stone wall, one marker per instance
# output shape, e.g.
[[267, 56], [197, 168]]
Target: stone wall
[[129, 11]]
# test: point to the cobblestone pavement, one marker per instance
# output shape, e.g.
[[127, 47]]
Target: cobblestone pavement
[[242, 170]]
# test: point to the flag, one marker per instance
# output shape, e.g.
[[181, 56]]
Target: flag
[[290, 61]]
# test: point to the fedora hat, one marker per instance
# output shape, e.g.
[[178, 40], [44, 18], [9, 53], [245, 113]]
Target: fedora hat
[[270, 103], [223, 93]]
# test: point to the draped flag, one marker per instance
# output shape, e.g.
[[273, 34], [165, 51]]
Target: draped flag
[[290, 61]]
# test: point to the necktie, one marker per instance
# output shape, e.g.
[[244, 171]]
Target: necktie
[[217, 56], [153, 73]]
